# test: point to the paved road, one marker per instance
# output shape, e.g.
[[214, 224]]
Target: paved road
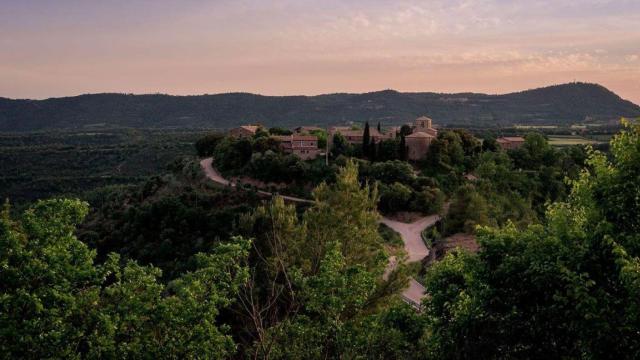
[[214, 175], [416, 250], [410, 233]]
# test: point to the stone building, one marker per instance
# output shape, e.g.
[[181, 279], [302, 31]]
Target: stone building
[[244, 131], [418, 144], [419, 141], [355, 136], [510, 142], [303, 146]]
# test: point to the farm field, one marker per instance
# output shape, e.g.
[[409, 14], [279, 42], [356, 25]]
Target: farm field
[[568, 140]]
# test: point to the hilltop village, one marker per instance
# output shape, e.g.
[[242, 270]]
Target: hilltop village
[[416, 138]]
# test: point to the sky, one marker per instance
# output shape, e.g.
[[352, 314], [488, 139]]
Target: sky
[[53, 48]]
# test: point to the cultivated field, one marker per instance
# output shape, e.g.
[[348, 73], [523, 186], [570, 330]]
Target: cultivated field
[[568, 140]]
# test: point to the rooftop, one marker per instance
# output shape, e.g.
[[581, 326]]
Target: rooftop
[[510, 139], [252, 128], [420, 134]]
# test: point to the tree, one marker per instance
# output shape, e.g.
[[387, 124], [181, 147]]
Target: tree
[[339, 145], [447, 151], [568, 288], [379, 128], [317, 277], [366, 140], [348, 213], [388, 150], [56, 303], [322, 138], [232, 153], [429, 200], [206, 145], [279, 131], [395, 197], [468, 209], [405, 130], [389, 172], [261, 132], [490, 144], [403, 151]]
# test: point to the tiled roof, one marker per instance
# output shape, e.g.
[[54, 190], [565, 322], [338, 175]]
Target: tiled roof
[[252, 128], [373, 132], [295, 137], [510, 139], [420, 134]]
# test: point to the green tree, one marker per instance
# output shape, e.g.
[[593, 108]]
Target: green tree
[[279, 131], [467, 210], [568, 288], [232, 153], [366, 140], [395, 197], [339, 145], [324, 271], [206, 145], [429, 200], [56, 302], [388, 149]]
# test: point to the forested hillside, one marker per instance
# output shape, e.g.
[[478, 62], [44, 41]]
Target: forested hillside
[[566, 103], [177, 267], [39, 165]]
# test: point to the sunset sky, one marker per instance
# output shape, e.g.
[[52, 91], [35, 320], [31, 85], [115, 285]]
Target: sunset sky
[[281, 47]]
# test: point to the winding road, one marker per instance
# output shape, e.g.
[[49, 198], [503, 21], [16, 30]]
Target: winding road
[[410, 233]]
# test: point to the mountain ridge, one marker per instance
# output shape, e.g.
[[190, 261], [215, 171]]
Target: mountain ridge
[[557, 104]]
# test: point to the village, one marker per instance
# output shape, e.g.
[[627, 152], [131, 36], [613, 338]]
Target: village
[[303, 143]]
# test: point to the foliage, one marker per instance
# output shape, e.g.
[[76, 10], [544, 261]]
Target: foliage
[[395, 197], [367, 144], [69, 163], [468, 209], [322, 273], [390, 236], [279, 131], [430, 200], [564, 289], [56, 303], [388, 172], [388, 149], [165, 221], [339, 146], [206, 145], [232, 153]]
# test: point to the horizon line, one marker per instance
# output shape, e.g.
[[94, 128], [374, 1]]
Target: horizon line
[[313, 95]]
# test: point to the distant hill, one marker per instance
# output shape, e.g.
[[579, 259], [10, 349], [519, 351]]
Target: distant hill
[[567, 103]]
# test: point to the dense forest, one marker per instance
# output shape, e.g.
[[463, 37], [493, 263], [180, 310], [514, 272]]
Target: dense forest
[[560, 104], [175, 266], [41, 164]]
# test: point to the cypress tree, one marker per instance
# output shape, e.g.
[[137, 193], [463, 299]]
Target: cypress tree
[[366, 139], [402, 151], [379, 128]]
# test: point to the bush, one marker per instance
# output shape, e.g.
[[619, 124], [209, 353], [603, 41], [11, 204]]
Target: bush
[[389, 172], [395, 197], [389, 236], [206, 145], [429, 200]]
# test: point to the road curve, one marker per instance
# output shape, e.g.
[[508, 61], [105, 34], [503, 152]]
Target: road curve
[[411, 233]]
